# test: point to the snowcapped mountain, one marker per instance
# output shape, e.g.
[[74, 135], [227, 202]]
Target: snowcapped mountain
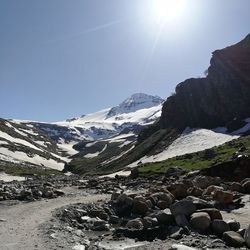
[[52, 144]]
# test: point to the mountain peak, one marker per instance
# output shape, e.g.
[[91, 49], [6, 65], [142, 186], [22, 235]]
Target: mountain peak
[[135, 102]]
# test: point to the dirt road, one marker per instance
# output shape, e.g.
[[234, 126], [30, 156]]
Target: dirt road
[[19, 224]]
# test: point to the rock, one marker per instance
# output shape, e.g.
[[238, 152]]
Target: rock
[[233, 239], [162, 204], [246, 187], [181, 220], [213, 213], [212, 189], [185, 207], [234, 225], [113, 219], [99, 225], [247, 236], [140, 207], [195, 191], [179, 190], [115, 195], [206, 181], [174, 171], [134, 173], [135, 224], [200, 221], [223, 197], [236, 186], [219, 227], [200, 203], [176, 233], [165, 217], [149, 222], [59, 192]]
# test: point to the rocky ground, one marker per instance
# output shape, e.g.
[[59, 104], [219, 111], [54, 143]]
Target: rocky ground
[[174, 211]]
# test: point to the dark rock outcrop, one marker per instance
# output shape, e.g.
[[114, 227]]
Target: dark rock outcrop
[[218, 99]]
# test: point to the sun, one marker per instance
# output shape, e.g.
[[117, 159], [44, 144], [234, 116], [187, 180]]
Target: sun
[[168, 10]]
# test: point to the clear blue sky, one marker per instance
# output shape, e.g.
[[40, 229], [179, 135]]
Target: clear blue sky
[[65, 58]]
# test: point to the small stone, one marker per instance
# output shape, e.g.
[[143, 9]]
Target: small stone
[[233, 239], [223, 197], [185, 207], [200, 221], [234, 225], [213, 213], [247, 236], [219, 227], [135, 224]]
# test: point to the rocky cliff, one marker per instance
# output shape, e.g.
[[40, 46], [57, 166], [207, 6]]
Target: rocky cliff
[[217, 99]]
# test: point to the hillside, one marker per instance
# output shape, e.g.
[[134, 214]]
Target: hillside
[[51, 145], [203, 113]]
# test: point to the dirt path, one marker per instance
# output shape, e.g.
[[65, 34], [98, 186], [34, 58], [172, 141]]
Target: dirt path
[[19, 224]]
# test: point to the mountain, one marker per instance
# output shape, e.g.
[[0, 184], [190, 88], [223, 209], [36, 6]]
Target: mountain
[[53, 144], [218, 99], [202, 113]]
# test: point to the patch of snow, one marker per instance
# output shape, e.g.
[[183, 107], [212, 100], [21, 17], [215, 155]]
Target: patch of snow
[[9, 178], [18, 141], [67, 147], [190, 141], [90, 144], [120, 173], [17, 156], [4, 143]]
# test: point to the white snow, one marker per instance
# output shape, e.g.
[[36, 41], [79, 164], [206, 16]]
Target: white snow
[[191, 140], [17, 156], [120, 173], [9, 178], [18, 141], [3, 142], [15, 129], [67, 147]]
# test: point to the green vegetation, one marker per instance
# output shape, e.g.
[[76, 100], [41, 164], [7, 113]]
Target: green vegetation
[[102, 163], [18, 170], [201, 159]]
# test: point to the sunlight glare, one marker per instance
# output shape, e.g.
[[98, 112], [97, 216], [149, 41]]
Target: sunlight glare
[[168, 10]]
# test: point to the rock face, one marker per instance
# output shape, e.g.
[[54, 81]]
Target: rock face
[[217, 99]]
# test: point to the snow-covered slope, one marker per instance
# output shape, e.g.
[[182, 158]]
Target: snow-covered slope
[[51, 144]]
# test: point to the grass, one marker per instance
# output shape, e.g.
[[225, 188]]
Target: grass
[[199, 160], [18, 170]]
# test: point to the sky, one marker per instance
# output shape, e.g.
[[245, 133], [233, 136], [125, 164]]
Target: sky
[[65, 58]]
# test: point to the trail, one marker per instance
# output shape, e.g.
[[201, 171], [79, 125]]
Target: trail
[[19, 223]]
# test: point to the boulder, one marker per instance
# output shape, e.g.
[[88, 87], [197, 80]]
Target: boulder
[[185, 207], [174, 171], [179, 190], [247, 236], [233, 239], [140, 207], [135, 224], [195, 191], [212, 189], [223, 197], [200, 221], [213, 213], [219, 227], [200, 203], [246, 187], [165, 217], [234, 225], [181, 220]]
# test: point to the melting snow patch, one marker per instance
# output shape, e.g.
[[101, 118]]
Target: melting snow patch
[[190, 141], [90, 155], [9, 178]]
